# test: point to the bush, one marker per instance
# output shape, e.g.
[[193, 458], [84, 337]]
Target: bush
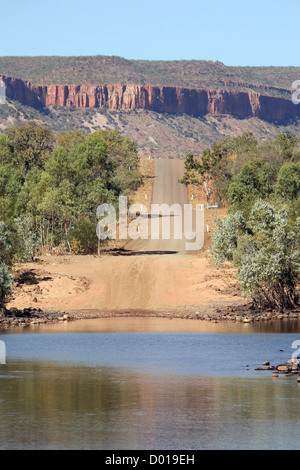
[[5, 284], [265, 249], [83, 238]]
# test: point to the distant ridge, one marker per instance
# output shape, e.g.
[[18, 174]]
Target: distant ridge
[[163, 99], [108, 70]]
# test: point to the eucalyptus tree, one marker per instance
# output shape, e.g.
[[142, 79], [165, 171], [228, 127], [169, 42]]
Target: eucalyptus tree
[[265, 249], [5, 262], [32, 144]]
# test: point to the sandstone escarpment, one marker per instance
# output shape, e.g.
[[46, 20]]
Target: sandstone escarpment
[[165, 99]]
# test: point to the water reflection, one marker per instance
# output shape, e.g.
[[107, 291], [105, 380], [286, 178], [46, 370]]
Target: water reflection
[[78, 386], [160, 325], [52, 406]]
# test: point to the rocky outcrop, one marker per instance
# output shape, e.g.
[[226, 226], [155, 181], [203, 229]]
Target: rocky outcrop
[[174, 100], [20, 90]]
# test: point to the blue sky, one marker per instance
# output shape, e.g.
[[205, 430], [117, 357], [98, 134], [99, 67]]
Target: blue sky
[[237, 33]]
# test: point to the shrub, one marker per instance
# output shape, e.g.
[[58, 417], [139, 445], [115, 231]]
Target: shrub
[[265, 249]]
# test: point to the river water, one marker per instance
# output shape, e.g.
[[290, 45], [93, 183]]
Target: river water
[[148, 384]]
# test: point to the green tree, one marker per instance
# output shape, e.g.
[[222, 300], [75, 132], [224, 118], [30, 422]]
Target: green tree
[[5, 259], [5, 285], [30, 238], [83, 237], [5, 244], [288, 181], [124, 153], [265, 250], [287, 144], [32, 144], [52, 186], [11, 181], [202, 171], [226, 236], [69, 140], [6, 150], [238, 151], [252, 183]]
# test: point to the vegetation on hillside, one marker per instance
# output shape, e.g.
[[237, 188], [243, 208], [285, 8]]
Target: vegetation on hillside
[[158, 134], [112, 69]]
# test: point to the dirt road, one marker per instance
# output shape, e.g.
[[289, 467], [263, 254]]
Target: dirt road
[[148, 276], [164, 227]]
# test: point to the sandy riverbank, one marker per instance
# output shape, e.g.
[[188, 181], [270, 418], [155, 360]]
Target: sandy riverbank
[[72, 287], [89, 286]]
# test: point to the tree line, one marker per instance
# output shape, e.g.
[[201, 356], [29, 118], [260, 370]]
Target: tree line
[[259, 182], [51, 185]]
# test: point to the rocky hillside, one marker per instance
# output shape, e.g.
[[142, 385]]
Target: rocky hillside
[[163, 99], [169, 108], [156, 134]]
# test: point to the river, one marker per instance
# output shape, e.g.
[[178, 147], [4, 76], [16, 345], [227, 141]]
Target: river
[[146, 383]]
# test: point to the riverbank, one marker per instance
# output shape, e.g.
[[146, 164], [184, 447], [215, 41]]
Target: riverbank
[[119, 284], [32, 316], [125, 283]]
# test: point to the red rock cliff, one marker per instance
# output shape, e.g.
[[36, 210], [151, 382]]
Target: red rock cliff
[[174, 100]]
